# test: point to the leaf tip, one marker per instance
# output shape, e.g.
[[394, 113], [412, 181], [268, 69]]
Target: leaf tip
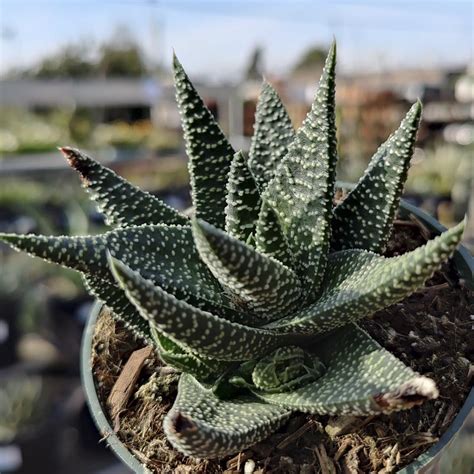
[[78, 160], [415, 112], [414, 392], [68, 152], [179, 424], [332, 54], [176, 62]]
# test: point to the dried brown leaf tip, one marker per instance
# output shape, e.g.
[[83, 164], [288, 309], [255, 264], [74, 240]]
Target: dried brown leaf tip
[[408, 395], [76, 160]]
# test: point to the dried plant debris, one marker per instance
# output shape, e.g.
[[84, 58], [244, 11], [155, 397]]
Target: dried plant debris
[[428, 330]]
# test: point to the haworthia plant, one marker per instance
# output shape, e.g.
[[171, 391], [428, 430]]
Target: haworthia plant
[[256, 298]]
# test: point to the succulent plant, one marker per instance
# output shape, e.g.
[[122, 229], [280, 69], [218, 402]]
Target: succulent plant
[[255, 298]]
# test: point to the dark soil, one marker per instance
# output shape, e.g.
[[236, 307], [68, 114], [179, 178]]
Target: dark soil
[[431, 331]]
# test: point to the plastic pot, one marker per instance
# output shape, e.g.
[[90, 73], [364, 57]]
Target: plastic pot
[[439, 458]]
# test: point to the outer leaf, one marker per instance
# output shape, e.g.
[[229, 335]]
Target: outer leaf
[[358, 283], [200, 331], [262, 284], [362, 378], [164, 254], [269, 239], [301, 192], [209, 152], [171, 353], [273, 133], [364, 219], [122, 203], [203, 426], [243, 200], [78, 253], [107, 291]]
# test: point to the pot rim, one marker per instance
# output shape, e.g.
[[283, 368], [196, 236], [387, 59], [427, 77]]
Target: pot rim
[[465, 265], [92, 398]]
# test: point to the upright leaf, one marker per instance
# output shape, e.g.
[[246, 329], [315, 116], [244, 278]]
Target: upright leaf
[[273, 133], [269, 238], [201, 425], [364, 219], [264, 285], [122, 203], [209, 152], [199, 331], [302, 190], [358, 283], [243, 200], [361, 378]]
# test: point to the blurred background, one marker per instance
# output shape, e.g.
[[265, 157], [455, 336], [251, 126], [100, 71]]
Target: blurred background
[[97, 75]]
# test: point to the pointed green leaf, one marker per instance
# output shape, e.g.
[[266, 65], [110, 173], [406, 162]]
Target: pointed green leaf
[[358, 283], [361, 378], [197, 330], [170, 352], [269, 238], [79, 253], [201, 425], [164, 254], [364, 219], [273, 133], [122, 203], [243, 200], [106, 290], [264, 285], [302, 190], [210, 154]]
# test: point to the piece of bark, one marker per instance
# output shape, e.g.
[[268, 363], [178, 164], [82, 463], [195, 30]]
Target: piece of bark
[[235, 462], [124, 385], [350, 462], [325, 462], [295, 435], [344, 424]]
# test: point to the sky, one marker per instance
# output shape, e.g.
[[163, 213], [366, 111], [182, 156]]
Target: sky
[[214, 38]]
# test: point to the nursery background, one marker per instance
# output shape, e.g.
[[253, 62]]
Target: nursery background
[[96, 75]]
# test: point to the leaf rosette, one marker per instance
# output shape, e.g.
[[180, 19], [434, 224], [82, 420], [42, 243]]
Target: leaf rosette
[[256, 297]]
